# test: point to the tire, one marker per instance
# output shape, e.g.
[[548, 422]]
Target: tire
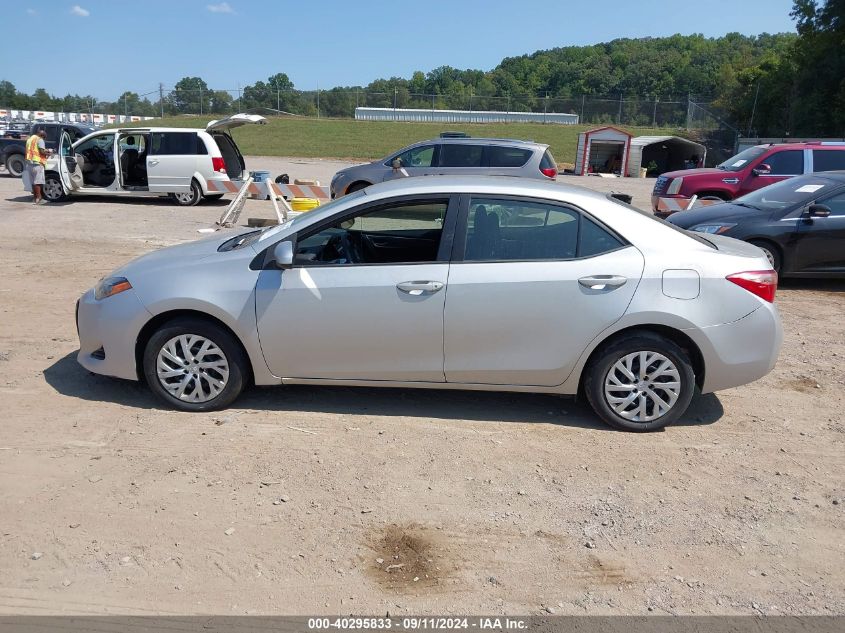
[[15, 165], [189, 198], [772, 253], [357, 186], [205, 388], [214, 197], [604, 379], [53, 189]]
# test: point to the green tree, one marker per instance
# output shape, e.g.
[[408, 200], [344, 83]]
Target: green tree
[[190, 95]]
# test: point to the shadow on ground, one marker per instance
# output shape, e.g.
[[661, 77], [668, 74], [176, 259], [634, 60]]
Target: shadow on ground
[[68, 378]]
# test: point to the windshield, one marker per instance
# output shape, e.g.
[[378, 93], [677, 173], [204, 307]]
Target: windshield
[[742, 159], [787, 193], [305, 217]]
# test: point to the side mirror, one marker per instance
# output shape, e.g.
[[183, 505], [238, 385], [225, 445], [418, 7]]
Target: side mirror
[[818, 211], [762, 169], [283, 254]]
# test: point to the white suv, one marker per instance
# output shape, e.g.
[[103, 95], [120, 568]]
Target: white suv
[[179, 162]]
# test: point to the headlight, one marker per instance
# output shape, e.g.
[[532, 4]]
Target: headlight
[[109, 286], [714, 229], [675, 185]]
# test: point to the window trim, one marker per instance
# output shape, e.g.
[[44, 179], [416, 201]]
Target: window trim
[[443, 251], [459, 243]]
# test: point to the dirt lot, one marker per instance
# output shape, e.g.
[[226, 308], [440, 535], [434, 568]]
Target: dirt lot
[[319, 500]]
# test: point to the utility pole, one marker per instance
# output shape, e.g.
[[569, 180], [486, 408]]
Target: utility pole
[[318, 100], [753, 109], [545, 107], [278, 99], [509, 102], [470, 99], [395, 98], [689, 109], [654, 114], [583, 100], [161, 98], [238, 101], [619, 116], [200, 100]]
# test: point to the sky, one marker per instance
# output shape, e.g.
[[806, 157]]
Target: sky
[[104, 47]]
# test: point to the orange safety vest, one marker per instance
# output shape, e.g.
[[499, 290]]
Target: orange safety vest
[[33, 154]]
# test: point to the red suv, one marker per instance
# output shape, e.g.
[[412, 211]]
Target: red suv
[[751, 169]]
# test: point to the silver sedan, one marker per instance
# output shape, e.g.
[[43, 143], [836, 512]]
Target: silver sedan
[[481, 283]]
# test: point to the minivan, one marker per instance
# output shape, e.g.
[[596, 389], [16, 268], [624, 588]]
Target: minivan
[[149, 161]]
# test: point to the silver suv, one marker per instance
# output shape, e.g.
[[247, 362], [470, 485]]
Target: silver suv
[[452, 154]]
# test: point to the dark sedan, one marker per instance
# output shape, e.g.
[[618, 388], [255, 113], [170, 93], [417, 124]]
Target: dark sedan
[[799, 223]]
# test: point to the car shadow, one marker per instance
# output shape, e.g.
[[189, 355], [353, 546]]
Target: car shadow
[[824, 285], [68, 378], [160, 201]]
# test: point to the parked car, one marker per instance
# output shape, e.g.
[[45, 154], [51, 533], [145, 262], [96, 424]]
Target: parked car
[[502, 284], [13, 149], [453, 155], [751, 169], [149, 161], [799, 223]]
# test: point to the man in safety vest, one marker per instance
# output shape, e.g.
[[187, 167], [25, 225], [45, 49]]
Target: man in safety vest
[[36, 158]]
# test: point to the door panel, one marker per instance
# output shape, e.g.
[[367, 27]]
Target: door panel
[[352, 322], [171, 162], [820, 243], [527, 323]]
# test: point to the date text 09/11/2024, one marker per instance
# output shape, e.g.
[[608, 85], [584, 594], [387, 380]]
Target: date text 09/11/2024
[[419, 623]]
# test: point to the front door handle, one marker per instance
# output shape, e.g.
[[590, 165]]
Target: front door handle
[[417, 288], [153, 161], [603, 282]]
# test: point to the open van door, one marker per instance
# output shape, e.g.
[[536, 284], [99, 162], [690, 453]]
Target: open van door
[[66, 163], [236, 120], [220, 132]]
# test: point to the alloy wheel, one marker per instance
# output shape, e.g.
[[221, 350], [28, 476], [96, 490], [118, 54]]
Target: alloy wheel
[[53, 189], [192, 368], [642, 386]]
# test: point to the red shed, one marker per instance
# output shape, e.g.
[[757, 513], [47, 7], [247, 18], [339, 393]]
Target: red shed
[[603, 150]]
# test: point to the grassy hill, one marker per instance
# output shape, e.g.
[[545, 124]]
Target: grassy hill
[[368, 140]]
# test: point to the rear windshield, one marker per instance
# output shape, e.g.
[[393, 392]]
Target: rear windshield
[[651, 216], [741, 160], [507, 156]]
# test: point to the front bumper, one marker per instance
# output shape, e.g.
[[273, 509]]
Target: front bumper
[[740, 352], [108, 330]]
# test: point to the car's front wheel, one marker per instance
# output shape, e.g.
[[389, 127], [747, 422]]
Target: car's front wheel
[[195, 365], [53, 189], [188, 198], [640, 383]]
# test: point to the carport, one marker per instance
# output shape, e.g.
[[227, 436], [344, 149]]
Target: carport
[[602, 150], [669, 153]]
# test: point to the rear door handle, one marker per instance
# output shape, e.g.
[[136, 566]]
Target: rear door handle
[[603, 282], [417, 288]]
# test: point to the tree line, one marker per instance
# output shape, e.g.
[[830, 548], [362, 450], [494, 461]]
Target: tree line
[[769, 84]]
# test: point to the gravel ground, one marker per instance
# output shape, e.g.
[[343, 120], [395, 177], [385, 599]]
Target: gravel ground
[[305, 500]]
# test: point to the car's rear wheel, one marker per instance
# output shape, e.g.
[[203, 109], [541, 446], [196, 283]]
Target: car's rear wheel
[[188, 198], [53, 190], [194, 365], [640, 383], [772, 253], [15, 165]]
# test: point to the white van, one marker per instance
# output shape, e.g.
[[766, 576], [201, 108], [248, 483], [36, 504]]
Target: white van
[[179, 162]]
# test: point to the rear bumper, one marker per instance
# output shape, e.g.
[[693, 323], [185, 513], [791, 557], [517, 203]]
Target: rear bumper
[[108, 330], [740, 352]]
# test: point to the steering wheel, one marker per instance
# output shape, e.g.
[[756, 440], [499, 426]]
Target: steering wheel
[[350, 249]]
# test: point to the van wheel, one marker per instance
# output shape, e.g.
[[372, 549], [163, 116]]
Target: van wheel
[[640, 383], [189, 198], [15, 165], [53, 190], [194, 365]]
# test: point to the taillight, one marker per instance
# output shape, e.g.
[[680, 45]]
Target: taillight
[[762, 283], [218, 164], [548, 172]]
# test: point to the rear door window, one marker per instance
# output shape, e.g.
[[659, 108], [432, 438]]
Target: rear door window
[[828, 159], [507, 156], [454, 155], [786, 163], [174, 143]]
